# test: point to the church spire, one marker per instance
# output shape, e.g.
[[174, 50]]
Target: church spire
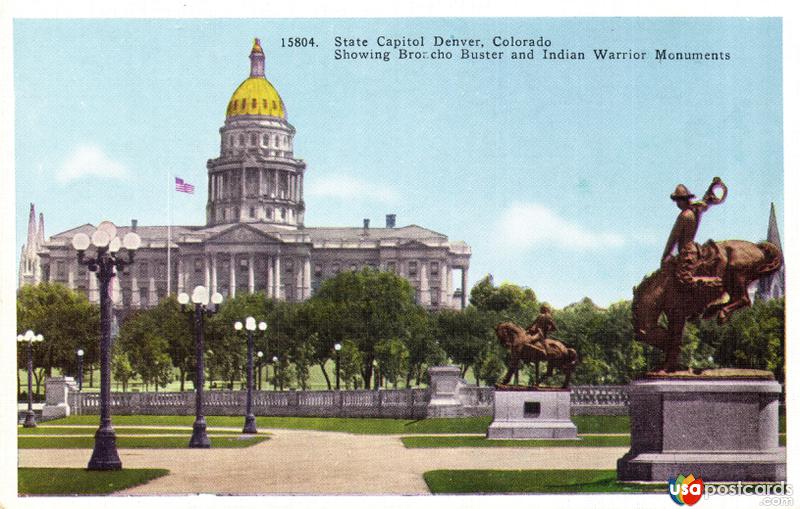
[[773, 235], [40, 232], [30, 245]]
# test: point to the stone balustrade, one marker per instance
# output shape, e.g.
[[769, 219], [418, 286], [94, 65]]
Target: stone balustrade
[[448, 396]]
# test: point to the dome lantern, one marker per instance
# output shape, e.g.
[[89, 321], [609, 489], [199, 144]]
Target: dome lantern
[[257, 60]]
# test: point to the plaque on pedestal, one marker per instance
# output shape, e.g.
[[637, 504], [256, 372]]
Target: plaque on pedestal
[[715, 428], [527, 412]]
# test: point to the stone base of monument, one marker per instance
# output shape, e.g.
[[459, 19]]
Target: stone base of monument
[[714, 428], [531, 413]]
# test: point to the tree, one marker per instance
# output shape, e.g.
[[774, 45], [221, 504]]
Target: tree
[[65, 319], [392, 358], [177, 327], [350, 364], [146, 347], [491, 365], [508, 302], [370, 306], [122, 369], [464, 334]]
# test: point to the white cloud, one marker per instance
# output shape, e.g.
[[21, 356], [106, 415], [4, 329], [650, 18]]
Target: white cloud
[[89, 161], [527, 225], [345, 187]]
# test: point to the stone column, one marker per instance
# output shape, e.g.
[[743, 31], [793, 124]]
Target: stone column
[[278, 290], [206, 274], [135, 302], [251, 275], [232, 292], [298, 295], [449, 285], [307, 278], [244, 180], [444, 281], [152, 298], [260, 181], [181, 275], [213, 273], [94, 293], [275, 182], [464, 287], [270, 278], [70, 275], [424, 289]]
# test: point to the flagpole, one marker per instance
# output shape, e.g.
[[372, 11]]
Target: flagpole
[[169, 235]]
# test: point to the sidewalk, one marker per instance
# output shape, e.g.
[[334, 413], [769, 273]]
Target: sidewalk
[[317, 462]]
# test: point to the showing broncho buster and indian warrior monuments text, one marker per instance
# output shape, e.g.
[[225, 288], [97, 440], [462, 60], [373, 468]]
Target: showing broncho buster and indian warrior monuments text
[[700, 281]]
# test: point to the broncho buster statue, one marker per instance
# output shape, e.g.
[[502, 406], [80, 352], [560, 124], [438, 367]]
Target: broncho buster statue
[[709, 280]]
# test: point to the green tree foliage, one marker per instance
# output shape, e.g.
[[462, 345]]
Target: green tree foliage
[[146, 347], [464, 335], [491, 365], [392, 357], [350, 364], [65, 319], [508, 302], [122, 369], [370, 306]]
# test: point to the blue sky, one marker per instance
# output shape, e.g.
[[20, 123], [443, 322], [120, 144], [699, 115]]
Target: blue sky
[[558, 174]]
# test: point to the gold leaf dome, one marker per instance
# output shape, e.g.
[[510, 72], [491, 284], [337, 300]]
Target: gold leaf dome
[[256, 95]]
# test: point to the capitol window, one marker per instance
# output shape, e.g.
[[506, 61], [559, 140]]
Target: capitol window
[[269, 213], [412, 268], [252, 212], [198, 265], [434, 268], [253, 139], [240, 140], [243, 265], [335, 268], [317, 270], [255, 103], [266, 139], [265, 104]]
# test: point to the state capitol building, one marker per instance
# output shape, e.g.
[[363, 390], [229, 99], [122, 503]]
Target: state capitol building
[[255, 239]]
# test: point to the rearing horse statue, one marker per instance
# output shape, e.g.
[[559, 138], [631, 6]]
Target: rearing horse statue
[[737, 262]]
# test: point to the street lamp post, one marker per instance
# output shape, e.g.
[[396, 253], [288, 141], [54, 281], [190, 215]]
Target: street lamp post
[[80, 368], [338, 348], [30, 338], [275, 373], [106, 263], [249, 418], [200, 300], [260, 356]]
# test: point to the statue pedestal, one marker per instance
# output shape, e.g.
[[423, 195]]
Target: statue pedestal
[[531, 413], [720, 430]]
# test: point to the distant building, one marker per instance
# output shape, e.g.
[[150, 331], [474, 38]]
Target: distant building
[[774, 285], [255, 238]]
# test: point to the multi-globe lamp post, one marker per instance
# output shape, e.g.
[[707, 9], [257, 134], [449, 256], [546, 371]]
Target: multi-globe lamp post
[[80, 353], [106, 262], [338, 348], [250, 325], [30, 337], [200, 299]]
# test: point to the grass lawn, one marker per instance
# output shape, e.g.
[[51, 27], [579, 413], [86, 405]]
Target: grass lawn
[[343, 424], [43, 429], [172, 442], [533, 481], [77, 481], [585, 423], [451, 441]]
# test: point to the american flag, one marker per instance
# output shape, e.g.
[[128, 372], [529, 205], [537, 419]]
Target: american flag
[[183, 187]]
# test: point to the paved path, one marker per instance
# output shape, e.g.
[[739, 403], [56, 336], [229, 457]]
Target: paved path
[[317, 462]]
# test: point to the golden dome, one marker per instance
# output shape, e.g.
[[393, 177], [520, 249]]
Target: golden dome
[[256, 95]]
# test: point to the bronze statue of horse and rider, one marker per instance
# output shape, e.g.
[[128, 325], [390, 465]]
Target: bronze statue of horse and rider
[[701, 281], [533, 346]]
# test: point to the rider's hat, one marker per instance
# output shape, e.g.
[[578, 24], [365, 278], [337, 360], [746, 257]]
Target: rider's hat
[[544, 308], [681, 192]]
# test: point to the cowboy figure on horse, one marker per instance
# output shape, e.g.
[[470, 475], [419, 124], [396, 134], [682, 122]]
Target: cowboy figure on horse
[[690, 257]]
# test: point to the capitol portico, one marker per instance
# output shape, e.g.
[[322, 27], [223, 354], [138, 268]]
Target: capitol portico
[[255, 239]]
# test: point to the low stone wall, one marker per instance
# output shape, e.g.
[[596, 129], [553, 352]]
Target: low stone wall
[[401, 404], [468, 401]]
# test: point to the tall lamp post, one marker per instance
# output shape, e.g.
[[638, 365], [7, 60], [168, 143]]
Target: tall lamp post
[[338, 348], [200, 300], [250, 325], [80, 368], [260, 356], [106, 263], [275, 373], [30, 338]]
